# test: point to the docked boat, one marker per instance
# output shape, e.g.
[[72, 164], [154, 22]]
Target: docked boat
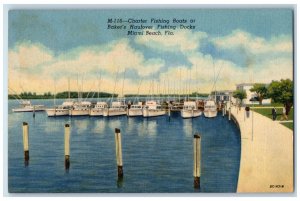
[[81, 108], [98, 109], [26, 106], [61, 110], [210, 109], [136, 110], [190, 110], [153, 109], [117, 108]]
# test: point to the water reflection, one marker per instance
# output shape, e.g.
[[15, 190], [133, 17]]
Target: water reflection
[[151, 127], [99, 126], [114, 122], [188, 127], [81, 124]]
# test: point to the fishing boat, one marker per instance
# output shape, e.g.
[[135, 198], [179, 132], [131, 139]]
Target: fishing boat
[[190, 110], [81, 108], [210, 109], [26, 106], [136, 110], [60, 110], [98, 109], [117, 108], [153, 109]]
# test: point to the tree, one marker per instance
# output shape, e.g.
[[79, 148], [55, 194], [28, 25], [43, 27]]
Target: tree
[[240, 94], [282, 92], [261, 91]]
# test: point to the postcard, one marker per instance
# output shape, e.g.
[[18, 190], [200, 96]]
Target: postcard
[[150, 100]]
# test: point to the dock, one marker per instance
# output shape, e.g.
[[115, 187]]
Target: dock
[[266, 163]]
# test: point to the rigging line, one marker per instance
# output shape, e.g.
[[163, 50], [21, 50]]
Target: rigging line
[[16, 95], [117, 71], [140, 83], [217, 76], [123, 82]]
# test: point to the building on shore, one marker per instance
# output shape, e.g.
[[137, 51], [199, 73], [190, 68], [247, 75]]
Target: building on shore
[[220, 96], [251, 96]]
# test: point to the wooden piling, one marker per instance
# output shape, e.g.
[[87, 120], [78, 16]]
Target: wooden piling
[[118, 142], [169, 113], [67, 146], [229, 113], [197, 160], [26, 142], [223, 111], [33, 114]]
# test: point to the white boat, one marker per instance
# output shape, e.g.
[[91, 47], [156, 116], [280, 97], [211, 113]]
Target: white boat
[[136, 110], [98, 109], [210, 109], [117, 108], [61, 110], [26, 106], [153, 109], [190, 110], [81, 108]]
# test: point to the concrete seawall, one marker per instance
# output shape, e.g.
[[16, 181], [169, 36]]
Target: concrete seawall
[[266, 163]]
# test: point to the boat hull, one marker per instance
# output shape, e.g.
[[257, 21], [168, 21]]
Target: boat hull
[[134, 113], [190, 113], [113, 112], [57, 112], [96, 112], [210, 114], [153, 113], [75, 112], [29, 109]]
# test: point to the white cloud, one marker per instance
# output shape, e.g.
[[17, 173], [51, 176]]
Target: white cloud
[[244, 41], [37, 71], [27, 56], [182, 40]]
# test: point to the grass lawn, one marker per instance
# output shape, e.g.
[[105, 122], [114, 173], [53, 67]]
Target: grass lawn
[[268, 113], [270, 105], [290, 125]]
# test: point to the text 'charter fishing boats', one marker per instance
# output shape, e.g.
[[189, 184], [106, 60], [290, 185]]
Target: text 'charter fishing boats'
[[136, 110], [190, 110], [153, 109], [210, 109], [26, 106]]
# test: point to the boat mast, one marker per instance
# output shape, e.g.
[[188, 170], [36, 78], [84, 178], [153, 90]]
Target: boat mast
[[69, 88], [112, 96], [123, 83], [99, 84]]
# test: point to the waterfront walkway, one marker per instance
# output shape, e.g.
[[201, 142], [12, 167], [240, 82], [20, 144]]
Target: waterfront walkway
[[266, 154]]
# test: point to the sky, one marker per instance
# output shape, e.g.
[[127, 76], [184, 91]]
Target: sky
[[46, 48]]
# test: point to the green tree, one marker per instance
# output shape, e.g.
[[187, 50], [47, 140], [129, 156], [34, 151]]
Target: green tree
[[282, 92], [240, 95], [261, 90]]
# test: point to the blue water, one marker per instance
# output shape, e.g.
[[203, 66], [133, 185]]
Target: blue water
[[157, 154]]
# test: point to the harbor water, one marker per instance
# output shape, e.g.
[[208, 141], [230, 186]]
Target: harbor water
[[157, 154]]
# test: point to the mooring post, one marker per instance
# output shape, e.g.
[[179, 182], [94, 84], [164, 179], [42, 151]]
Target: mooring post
[[67, 146], [33, 114], [118, 142], [26, 142], [223, 110], [197, 160], [169, 112]]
